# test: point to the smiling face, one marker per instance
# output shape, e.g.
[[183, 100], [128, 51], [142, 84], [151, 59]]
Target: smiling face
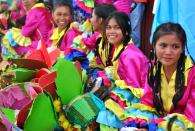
[[168, 50], [114, 33], [62, 16]]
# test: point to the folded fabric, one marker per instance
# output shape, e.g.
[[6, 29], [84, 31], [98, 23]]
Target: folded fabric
[[75, 55], [16, 97]]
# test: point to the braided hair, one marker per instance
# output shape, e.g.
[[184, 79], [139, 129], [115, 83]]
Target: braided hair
[[154, 78]]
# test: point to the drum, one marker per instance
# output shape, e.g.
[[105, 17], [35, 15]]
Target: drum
[[83, 109]]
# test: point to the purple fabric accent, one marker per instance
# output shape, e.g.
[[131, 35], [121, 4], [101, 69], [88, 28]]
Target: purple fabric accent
[[14, 98], [68, 39], [7, 123], [23, 50], [103, 2], [49, 42]]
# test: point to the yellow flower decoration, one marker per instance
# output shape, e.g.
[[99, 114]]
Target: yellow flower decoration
[[57, 105]]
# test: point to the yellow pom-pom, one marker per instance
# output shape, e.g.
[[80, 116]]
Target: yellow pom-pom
[[57, 105], [70, 129], [62, 118], [66, 124]]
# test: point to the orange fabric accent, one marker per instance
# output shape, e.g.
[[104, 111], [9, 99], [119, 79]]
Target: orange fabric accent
[[141, 1]]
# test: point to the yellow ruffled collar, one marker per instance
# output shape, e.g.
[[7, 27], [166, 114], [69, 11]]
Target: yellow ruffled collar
[[56, 35], [188, 65], [117, 51], [38, 5]]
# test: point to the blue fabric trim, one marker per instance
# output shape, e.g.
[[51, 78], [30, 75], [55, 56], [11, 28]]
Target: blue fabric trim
[[11, 40], [108, 118], [127, 94], [152, 126], [177, 122], [99, 103], [74, 54]]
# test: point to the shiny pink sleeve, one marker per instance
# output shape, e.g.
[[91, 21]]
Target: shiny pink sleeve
[[91, 41], [49, 41], [190, 105], [133, 66], [147, 98], [31, 23], [68, 38]]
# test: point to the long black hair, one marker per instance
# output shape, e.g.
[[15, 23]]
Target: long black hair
[[154, 78], [123, 21], [104, 10], [49, 4]]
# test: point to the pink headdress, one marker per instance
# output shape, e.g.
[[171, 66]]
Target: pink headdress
[[81, 4], [123, 6], [103, 1]]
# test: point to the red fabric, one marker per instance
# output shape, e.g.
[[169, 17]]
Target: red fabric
[[141, 1]]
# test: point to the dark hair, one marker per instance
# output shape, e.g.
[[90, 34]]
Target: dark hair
[[40, 1], [123, 21], [60, 3], [49, 4], [154, 78], [104, 10], [21, 21]]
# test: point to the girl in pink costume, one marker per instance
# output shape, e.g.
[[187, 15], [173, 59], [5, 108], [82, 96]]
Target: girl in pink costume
[[38, 21], [172, 78], [92, 48], [17, 10], [129, 70], [168, 99], [169, 93], [37, 25], [98, 50], [97, 42], [62, 36], [127, 60]]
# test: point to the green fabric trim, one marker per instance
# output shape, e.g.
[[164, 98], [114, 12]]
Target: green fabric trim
[[10, 114]]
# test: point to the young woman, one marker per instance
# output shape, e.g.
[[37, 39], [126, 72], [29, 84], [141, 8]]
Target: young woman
[[98, 50], [104, 51], [127, 60], [62, 36], [167, 102], [129, 69], [171, 77], [38, 23]]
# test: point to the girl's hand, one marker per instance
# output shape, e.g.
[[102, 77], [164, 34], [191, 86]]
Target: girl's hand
[[76, 26]]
